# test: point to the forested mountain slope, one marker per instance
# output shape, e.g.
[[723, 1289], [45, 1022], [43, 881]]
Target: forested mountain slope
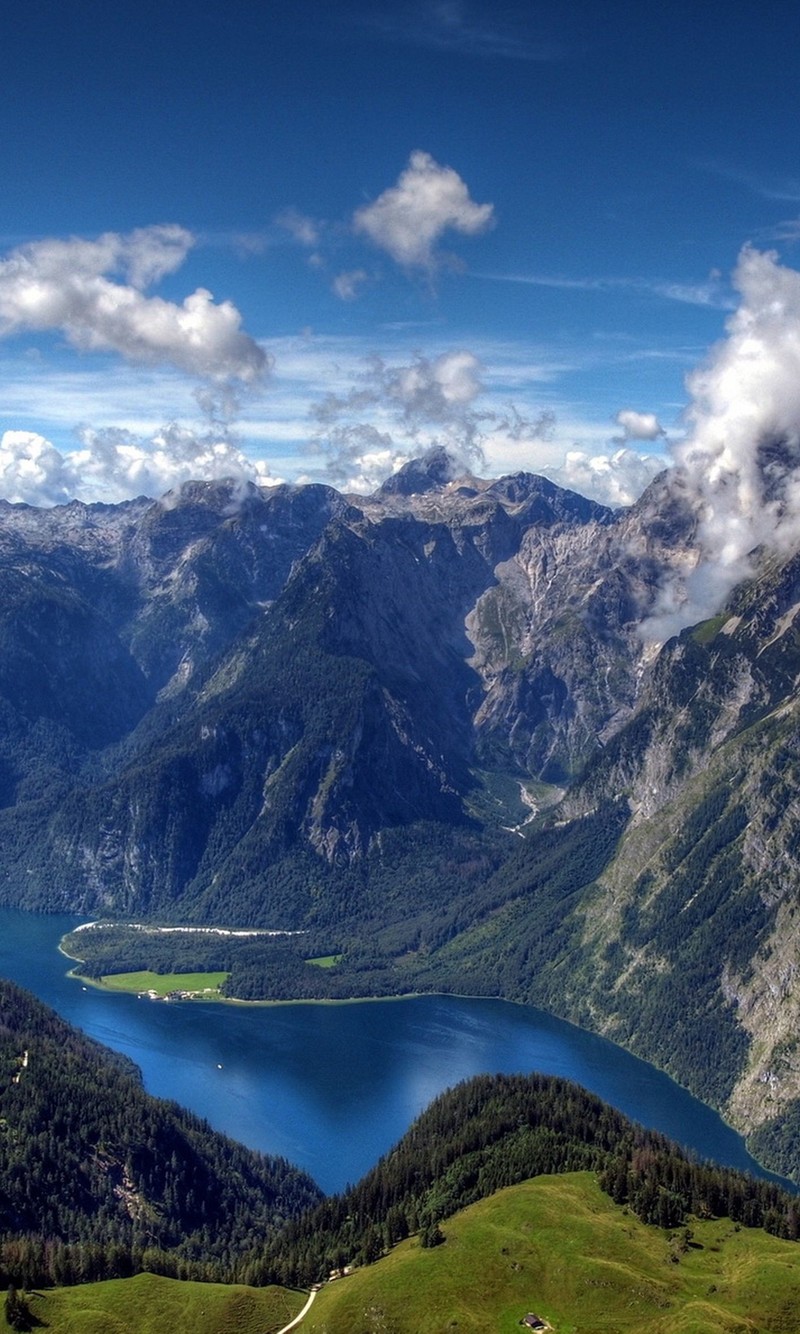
[[494, 1131], [98, 1179]]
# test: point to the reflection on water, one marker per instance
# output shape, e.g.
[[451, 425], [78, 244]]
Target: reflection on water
[[331, 1087]]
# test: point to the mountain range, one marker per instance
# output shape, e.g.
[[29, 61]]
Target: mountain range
[[431, 731]]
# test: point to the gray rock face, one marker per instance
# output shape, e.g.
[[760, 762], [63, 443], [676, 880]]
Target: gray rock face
[[439, 624]]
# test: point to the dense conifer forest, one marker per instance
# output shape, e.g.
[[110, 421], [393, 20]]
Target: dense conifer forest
[[100, 1180]]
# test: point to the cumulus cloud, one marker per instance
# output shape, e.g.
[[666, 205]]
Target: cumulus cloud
[[114, 465], [439, 391], [32, 470], [740, 461], [409, 219], [93, 292], [613, 479], [394, 412], [638, 426]]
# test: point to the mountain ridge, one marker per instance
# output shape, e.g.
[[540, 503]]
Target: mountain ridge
[[409, 722]]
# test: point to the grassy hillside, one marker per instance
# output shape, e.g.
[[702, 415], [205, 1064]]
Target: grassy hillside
[[149, 1304], [557, 1246], [495, 1131]]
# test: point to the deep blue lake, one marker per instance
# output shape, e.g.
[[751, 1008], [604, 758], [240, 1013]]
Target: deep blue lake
[[332, 1087]]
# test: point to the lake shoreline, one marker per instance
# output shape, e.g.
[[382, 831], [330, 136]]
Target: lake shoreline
[[535, 1014]]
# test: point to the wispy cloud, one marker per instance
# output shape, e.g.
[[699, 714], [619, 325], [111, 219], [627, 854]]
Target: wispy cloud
[[345, 285], [786, 231], [448, 25], [711, 293], [302, 229], [782, 188]]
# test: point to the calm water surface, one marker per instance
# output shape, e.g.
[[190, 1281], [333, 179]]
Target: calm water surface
[[332, 1087]]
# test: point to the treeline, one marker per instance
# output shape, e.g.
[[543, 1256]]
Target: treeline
[[259, 967], [389, 944], [496, 1131], [662, 1186], [98, 1179]]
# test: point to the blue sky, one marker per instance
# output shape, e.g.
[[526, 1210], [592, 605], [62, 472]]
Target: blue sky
[[309, 239]]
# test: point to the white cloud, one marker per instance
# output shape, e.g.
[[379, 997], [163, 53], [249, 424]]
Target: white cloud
[[404, 410], [613, 479], [346, 285], [73, 286], [638, 425], [114, 465], [710, 294], [359, 456], [409, 218], [496, 403], [32, 470], [444, 26], [395, 412], [740, 462], [435, 390], [300, 227]]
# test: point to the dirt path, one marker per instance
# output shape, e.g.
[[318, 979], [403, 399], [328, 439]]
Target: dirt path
[[294, 1323]]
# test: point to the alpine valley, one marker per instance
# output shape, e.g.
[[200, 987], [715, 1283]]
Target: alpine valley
[[423, 738]]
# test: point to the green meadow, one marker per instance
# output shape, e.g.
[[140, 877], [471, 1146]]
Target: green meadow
[[149, 1304], [558, 1247], [205, 984]]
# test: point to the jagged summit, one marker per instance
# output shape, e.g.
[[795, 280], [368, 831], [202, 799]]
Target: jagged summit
[[432, 471]]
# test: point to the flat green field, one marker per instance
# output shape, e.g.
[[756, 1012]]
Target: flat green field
[[558, 1247], [149, 1304], [200, 984]]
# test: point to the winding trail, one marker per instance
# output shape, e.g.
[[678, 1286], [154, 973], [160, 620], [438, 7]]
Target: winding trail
[[293, 1323]]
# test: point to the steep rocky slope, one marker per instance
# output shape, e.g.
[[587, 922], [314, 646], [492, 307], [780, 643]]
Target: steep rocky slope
[[696, 916], [285, 673], [681, 939]]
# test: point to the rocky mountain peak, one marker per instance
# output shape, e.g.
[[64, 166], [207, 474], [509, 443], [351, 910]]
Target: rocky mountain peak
[[429, 473]]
